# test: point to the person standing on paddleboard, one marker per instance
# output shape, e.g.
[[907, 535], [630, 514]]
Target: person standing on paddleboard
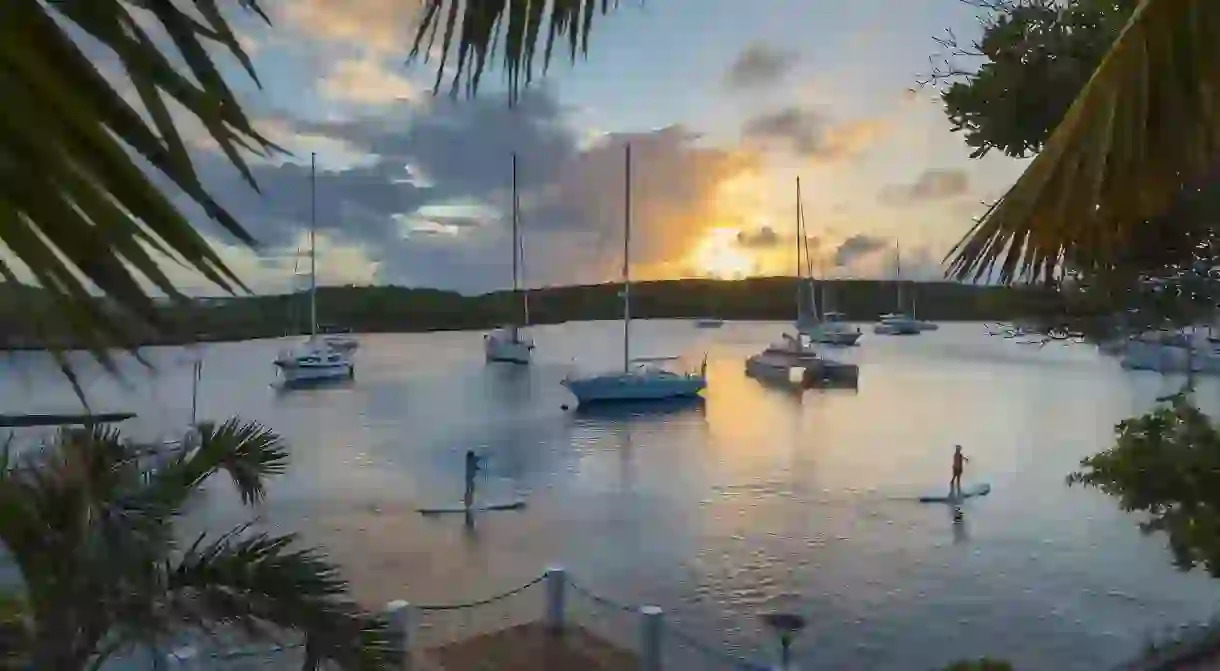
[[955, 483], [472, 468]]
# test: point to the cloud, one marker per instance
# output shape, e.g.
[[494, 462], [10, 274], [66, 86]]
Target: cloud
[[811, 133], [367, 80], [758, 65], [381, 26], [856, 247], [764, 237], [931, 184], [423, 190]]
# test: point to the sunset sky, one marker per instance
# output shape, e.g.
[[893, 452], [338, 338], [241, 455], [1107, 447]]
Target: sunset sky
[[725, 104]]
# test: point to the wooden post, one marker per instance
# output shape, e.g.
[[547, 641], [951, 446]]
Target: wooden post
[[556, 593], [650, 638]]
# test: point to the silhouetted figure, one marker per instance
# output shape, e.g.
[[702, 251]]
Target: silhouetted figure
[[955, 483], [472, 469]]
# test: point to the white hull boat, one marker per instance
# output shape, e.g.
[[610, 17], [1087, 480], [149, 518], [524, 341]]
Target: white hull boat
[[510, 343], [641, 379], [318, 359], [315, 361], [831, 330], [899, 323]]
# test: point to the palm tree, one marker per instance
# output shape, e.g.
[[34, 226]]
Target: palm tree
[[88, 522], [1144, 128], [80, 166]]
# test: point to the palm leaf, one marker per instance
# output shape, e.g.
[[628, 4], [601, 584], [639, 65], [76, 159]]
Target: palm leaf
[[258, 585], [477, 27], [1146, 124], [76, 205]]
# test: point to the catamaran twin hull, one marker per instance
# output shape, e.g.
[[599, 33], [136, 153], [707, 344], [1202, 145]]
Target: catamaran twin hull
[[634, 387], [802, 371], [315, 368]]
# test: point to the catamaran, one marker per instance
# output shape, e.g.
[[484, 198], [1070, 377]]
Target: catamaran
[[641, 378], [510, 343], [795, 359], [828, 328], [316, 359]]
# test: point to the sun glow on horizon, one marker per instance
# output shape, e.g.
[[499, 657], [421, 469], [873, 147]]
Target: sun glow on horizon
[[718, 255]]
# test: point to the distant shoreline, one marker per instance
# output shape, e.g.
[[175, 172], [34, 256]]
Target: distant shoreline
[[378, 309]]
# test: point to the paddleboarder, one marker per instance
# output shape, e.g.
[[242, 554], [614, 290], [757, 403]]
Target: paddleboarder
[[959, 459], [472, 468]]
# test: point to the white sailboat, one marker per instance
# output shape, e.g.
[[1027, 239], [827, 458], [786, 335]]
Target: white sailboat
[[641, 378], [823, 328], [510, 343], [898, 322], [795, 359], [316, 359]]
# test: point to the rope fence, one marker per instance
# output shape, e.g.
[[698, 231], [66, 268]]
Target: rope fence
[[642, 629]]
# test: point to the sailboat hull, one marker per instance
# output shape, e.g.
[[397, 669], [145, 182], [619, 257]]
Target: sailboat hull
[[634, 387], [503, 345]]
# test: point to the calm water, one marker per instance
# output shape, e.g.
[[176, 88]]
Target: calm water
[[714, 511]]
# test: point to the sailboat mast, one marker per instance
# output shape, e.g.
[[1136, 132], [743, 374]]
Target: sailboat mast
[[799, 233], [627, 262], [313, 250], [898, 274], [516, 250]]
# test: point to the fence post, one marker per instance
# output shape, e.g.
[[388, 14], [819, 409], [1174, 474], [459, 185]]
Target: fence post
[[556, 592], [650, 638], [402, 627]]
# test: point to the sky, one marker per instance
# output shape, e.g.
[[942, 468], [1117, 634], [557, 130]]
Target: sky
[[725, 104]]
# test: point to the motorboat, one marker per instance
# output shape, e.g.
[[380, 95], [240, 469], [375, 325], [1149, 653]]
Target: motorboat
[[640, 379], [709, 322], [511, 343]]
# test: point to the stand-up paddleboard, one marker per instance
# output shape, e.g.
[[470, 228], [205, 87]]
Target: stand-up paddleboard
[[974, 490], [517, 504]]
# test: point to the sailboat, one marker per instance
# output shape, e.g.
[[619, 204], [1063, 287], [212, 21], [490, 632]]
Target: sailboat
[[510, 343], [899, 322], [823, 328], [795, 359], [641, 378], [316, 359]]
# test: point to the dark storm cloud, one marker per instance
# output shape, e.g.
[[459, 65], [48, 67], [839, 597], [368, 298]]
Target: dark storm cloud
[[445, 154], [856, 247], [931, 184], [764, 237], [798, 128], [759, 65], [810, 133]]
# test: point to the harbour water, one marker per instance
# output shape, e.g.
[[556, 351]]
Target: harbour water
[[712, 511]]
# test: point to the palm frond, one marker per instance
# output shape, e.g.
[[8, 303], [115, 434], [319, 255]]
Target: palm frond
[[75, 206], [477, 27], [1145, 126], [260, 585]]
